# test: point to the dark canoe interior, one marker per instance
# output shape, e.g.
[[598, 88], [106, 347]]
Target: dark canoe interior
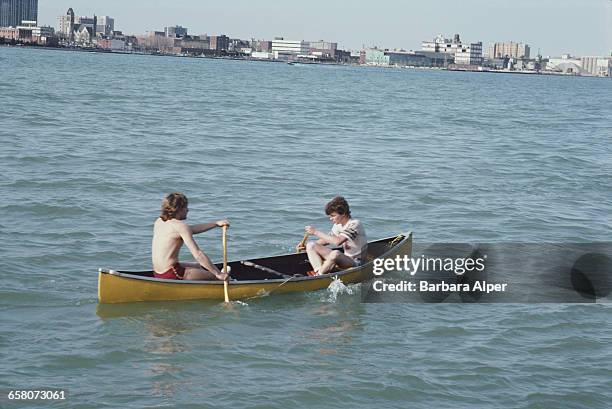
[[285, 266]]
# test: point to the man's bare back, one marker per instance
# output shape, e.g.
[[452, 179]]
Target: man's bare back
[[166, 245]]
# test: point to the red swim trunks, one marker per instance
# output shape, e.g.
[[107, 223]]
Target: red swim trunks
[[176, 272]]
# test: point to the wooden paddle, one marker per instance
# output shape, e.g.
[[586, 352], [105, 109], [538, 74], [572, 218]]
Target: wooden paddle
[[225, 289], [302, 244]]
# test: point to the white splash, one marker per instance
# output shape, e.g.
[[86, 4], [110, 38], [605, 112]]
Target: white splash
[[336, 288]]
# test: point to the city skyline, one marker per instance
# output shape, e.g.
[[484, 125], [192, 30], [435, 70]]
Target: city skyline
[[580, 27]]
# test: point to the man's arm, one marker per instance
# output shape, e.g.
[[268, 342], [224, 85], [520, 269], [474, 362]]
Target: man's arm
[[325, 238], [185, 231], [201, 228]]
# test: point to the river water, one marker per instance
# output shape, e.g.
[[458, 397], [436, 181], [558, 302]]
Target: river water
[[91, 142]]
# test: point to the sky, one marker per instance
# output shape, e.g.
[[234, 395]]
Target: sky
[[577, 27]]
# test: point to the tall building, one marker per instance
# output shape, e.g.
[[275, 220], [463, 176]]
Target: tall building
[[13, 12], [175, 31], [105, 25], [219, 43], [66, 24], [518, 51], [469, 55]]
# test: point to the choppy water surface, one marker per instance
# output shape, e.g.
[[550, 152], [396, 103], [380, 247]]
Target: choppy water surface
[[91, 142]]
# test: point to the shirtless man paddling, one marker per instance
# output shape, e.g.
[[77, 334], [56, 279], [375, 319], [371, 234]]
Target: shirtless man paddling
[[170, 232]]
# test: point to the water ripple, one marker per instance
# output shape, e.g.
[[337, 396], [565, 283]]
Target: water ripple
[[444, 154]]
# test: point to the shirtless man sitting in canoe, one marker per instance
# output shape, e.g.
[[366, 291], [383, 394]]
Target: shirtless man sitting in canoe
[[346, 232], [170, 232]]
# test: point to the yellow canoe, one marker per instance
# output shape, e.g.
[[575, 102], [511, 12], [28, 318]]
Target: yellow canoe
[[250, 278]]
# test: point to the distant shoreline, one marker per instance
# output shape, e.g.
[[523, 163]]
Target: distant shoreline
[[236, 58]]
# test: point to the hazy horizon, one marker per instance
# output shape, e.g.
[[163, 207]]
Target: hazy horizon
[[578, 27]]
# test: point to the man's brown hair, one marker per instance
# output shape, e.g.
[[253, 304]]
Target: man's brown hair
[[338, 205], [172, 204]]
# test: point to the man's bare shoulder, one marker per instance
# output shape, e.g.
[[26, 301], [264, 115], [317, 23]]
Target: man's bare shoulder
[[172, 224]]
